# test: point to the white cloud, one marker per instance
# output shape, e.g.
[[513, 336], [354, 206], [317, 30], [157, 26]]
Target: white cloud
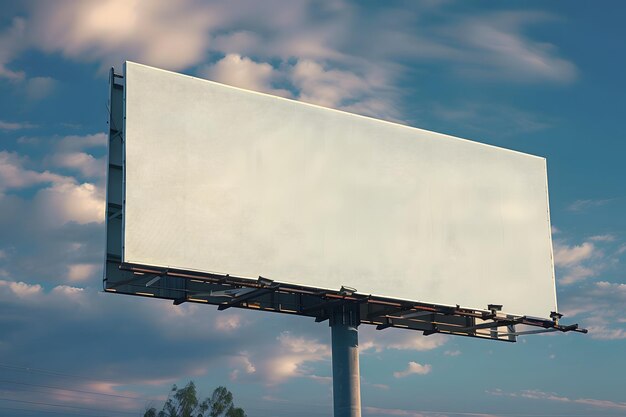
[[607, 304], [289, 358], [370, 339], [602, 331], [66, 291], [309, 46], [81, 272], [502, 51], [13, 174], [242, 72], [584, 205], [603, 238], [601, 306], [69, 201], [577, 273], [38, 88], [249, 368], [491, 46], [63, 198], [578, 262], [452, 352], [15, 126], [413, 368], [378, 386], [81, 162], [172, 35], [70, 153], [228, 323], [326, 87], [551, 396], [417, 342], [79, 143], [377, 411], [598, 305], [399, 412], [312, 82], [570, 255], [21, 289]]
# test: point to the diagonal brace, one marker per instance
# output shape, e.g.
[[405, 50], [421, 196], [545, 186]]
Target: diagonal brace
[[247, 296], [490, 325]]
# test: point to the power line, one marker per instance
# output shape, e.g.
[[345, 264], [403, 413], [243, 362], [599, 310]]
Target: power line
[[66, 406], [48, 372], [62, 396], [77, 390], [65, 413]]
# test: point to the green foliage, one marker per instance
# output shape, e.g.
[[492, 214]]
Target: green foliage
[[183, 402]]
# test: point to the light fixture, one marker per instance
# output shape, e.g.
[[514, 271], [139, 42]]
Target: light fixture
[[347, 291], [265, 282]]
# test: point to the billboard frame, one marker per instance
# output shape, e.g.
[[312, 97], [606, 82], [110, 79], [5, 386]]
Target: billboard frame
[[226, 291]]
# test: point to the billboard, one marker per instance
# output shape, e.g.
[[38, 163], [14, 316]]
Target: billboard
[[226, 181]]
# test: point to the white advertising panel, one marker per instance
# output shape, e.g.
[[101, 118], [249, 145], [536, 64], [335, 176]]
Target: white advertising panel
[[220, 179]]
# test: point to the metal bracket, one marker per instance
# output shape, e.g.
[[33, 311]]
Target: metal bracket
[[434, 330], [179, 301], [387, 324], [555, 316], [327, 307]]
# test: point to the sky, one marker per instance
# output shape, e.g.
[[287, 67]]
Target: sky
[[546, 78]]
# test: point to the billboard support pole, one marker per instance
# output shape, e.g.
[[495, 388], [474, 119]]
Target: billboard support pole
[[344, 322]]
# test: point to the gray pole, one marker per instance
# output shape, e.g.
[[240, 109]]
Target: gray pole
[[345, 351]]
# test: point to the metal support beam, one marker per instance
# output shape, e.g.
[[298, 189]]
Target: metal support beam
[[323, 306], [228, 291], [248, 296], [395, 311], [345, 350], [531, 332], [417, 314]]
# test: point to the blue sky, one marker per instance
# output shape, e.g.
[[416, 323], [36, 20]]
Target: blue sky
[[546, 78]]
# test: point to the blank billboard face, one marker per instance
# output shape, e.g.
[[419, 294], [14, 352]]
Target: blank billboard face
[[220, 179]]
